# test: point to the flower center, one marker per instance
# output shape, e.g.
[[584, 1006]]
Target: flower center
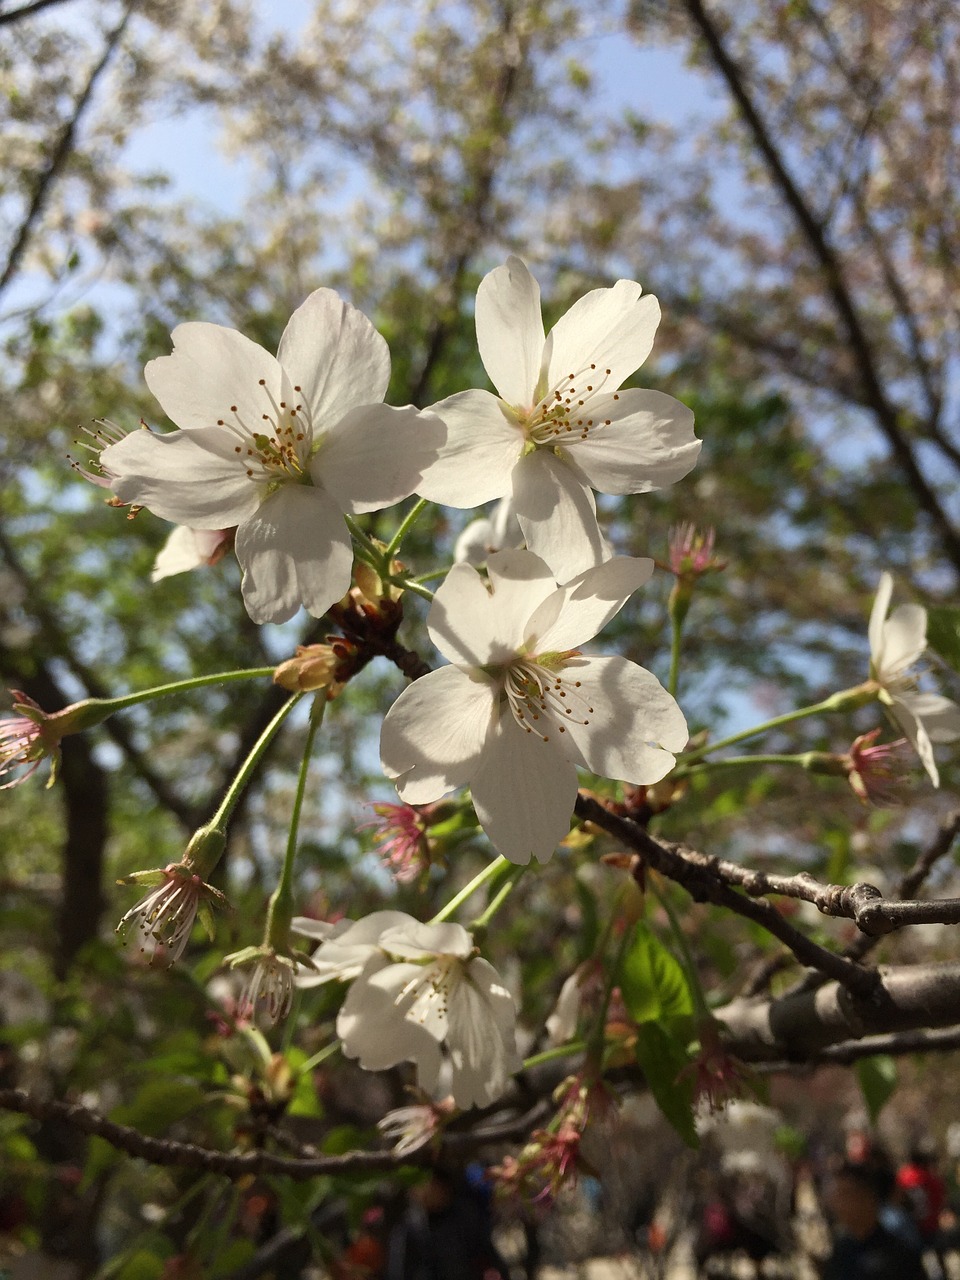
[[277, 448], [563, 415], [540, 698], [431, 990]]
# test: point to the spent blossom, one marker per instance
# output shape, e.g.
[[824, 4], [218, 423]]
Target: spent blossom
[[875, 770], [268, 991], [31, 735], [560, 426], [519, 708], [282, 447], [163, 921], [413, 1127], [896, 644], [401, 836]]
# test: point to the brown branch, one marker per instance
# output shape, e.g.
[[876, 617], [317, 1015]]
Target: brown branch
[[801, 1024], [26, 11], [61, 152], [167, 1151], [699, 877], [885, 413]]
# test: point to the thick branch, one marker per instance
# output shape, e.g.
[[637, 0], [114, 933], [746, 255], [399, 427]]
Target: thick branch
[[27, 10], [800, 1025], [875, 395]]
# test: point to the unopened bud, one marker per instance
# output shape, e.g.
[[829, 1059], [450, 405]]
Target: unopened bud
[[316, 666]]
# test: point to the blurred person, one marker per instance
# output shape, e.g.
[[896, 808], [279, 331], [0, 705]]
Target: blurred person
[[444, 1233], [864, 1248], [923, 1190]]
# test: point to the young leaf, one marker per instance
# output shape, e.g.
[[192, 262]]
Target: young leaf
[[878, 1079], [652, 982]]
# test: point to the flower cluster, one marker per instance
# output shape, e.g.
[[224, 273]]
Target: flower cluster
[[418, 993]]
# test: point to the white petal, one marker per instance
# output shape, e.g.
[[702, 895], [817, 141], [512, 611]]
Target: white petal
[[631, 711], [213, 368], [510, 331], [411, 940], [648, 444], [610, 328], [940, 716], [335, 355], [481, 1036], [376, 455], [294, 551], [916, 734], [184, 549], [462, 620], [558, 515], [878, 613], [562, 1023], [521, 583], [501, 532], [434, 733], [188, 477], [375, 1031], [588, 604], [903, 638], [477, 459], [524, 793], [346, 946]]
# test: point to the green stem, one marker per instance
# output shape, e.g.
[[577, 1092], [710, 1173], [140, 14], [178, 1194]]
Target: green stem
[[597, 1037], [321, 1056], [363, 539], [550, 1055], [109, 705], [284, 888], [489, 872], [406, 524], [677, 630], [235, 790], [411, 584], [845, 701], [434, 573], [513, 877], [684, 771]]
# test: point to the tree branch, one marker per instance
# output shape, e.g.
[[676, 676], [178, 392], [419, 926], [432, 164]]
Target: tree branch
[[885, 413], [61, 151], [699, 877], [26, 11]]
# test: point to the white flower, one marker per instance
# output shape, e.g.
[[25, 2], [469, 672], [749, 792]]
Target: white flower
[[500, 531], [896, 644], [282, 447], [427, 988], [519, 708], [345, 947], [187, 549], [560, 426]]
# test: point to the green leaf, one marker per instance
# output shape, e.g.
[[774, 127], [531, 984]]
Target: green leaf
[[878, 1080], [652, 982], [943, 633], [662, 1055]]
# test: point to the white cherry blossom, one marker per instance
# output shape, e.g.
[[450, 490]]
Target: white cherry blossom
[[426, 989], [283, 447], [187, 549], [896, 644], [520, 708], [560, 426]]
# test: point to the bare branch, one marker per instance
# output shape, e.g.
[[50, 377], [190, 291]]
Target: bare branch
[[885, 412], [698, 875], [61, 150], [26, 11]]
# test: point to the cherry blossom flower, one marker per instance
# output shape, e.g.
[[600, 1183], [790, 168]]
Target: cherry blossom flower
[[163, 921], [500, 531], [268, 992], [401, 835], [560, 427], [423, 988], [519, 708], [896, 644], [187, 549], [283, 448], [413, 1127], [875, 770], [691, 552], [345, 947], [32, 734]]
